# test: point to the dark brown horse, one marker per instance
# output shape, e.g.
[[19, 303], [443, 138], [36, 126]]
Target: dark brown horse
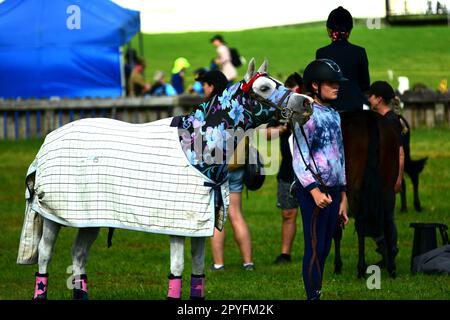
[[372, 162]]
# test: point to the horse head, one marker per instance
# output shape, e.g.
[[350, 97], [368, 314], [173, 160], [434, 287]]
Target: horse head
[[269, 97], [219, 123]]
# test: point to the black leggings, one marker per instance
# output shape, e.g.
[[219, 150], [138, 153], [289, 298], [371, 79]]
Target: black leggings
[[318, 233]]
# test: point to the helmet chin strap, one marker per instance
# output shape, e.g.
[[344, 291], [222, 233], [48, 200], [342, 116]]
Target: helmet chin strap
[[319, 95]]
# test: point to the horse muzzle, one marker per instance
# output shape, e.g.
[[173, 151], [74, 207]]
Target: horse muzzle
[[298, 108]]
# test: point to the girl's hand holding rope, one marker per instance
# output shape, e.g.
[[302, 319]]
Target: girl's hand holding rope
[[321, 199]]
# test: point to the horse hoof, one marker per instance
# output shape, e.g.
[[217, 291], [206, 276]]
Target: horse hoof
[[40, 297], [361, 275], [79, 294], [393, 274], [338, 269], [381, 264]]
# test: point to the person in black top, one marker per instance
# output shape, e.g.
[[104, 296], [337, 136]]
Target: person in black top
[[383, 100], [352, 60], [287, 203]]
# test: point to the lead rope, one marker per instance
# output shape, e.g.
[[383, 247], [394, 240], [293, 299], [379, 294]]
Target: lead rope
[[314, 262]]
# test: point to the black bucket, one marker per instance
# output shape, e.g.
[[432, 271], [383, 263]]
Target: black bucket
[[425, 238]]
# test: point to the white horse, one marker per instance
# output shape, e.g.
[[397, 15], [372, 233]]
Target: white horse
[[95, 173]]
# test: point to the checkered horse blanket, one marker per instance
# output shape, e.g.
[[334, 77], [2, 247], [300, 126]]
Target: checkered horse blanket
[[108, 173]]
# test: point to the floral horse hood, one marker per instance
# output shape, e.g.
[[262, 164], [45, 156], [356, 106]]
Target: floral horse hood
[[211, 132]]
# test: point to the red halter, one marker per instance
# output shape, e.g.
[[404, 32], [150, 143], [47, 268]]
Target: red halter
[[248, 85]]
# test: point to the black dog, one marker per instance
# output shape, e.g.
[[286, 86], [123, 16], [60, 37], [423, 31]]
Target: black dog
[[412, 168]]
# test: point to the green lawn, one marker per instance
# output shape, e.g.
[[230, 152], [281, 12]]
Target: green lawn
[[420, 53], [137, 265]]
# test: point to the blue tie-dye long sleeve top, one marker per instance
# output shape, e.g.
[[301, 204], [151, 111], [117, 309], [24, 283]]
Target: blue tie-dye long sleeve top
[[324, 136]]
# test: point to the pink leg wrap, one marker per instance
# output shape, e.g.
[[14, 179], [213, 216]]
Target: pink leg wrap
[[80, 282], [174, 288], [197, 287], [40, 287]]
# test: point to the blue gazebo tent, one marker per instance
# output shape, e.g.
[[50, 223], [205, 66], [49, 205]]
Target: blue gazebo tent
[[64, 48]]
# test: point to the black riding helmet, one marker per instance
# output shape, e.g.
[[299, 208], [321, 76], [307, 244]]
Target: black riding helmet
[[340, 20], [321, 70]]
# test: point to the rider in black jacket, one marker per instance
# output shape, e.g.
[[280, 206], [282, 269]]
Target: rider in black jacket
[[351, 59]]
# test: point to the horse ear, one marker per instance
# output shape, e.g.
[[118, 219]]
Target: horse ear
[[263, 68], [250, 70]]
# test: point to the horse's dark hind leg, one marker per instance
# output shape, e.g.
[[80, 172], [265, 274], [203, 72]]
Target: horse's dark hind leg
[[390, 244], [362, 266], [390, 262], [403, 207], [337, 236]]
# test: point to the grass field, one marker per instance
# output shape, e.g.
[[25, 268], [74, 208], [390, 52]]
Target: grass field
[[137, 265], [420, 53]]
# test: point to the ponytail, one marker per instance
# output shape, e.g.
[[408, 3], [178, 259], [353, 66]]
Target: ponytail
[[396, 106]]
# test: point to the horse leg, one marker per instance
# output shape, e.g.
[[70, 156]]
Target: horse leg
[[198, 269], [176, 267], [46, 244], [337, 237], [80, 251], [390, 231], [403, 207], [362, 266], [390, 257]]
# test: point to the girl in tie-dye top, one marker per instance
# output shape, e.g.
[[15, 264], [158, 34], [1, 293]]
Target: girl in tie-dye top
[[323, 134], [320, 206]]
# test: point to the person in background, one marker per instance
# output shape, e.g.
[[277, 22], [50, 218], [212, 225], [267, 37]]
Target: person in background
[[160, 87], [130, 61], [223, 58], [178, 73], [285, 201], [319, 166], [197, 88], [137, 86], [351, 59], [214, 83], [383, 100], [294, 82]]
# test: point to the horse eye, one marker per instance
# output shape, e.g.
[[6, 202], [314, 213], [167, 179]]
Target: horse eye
[[264, 88]]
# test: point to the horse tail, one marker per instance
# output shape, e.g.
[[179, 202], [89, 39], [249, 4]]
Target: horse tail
[[32, 225], [372, 199]]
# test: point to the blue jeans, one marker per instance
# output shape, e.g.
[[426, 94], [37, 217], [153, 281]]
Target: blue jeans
[[318, 233], [236, 180]]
